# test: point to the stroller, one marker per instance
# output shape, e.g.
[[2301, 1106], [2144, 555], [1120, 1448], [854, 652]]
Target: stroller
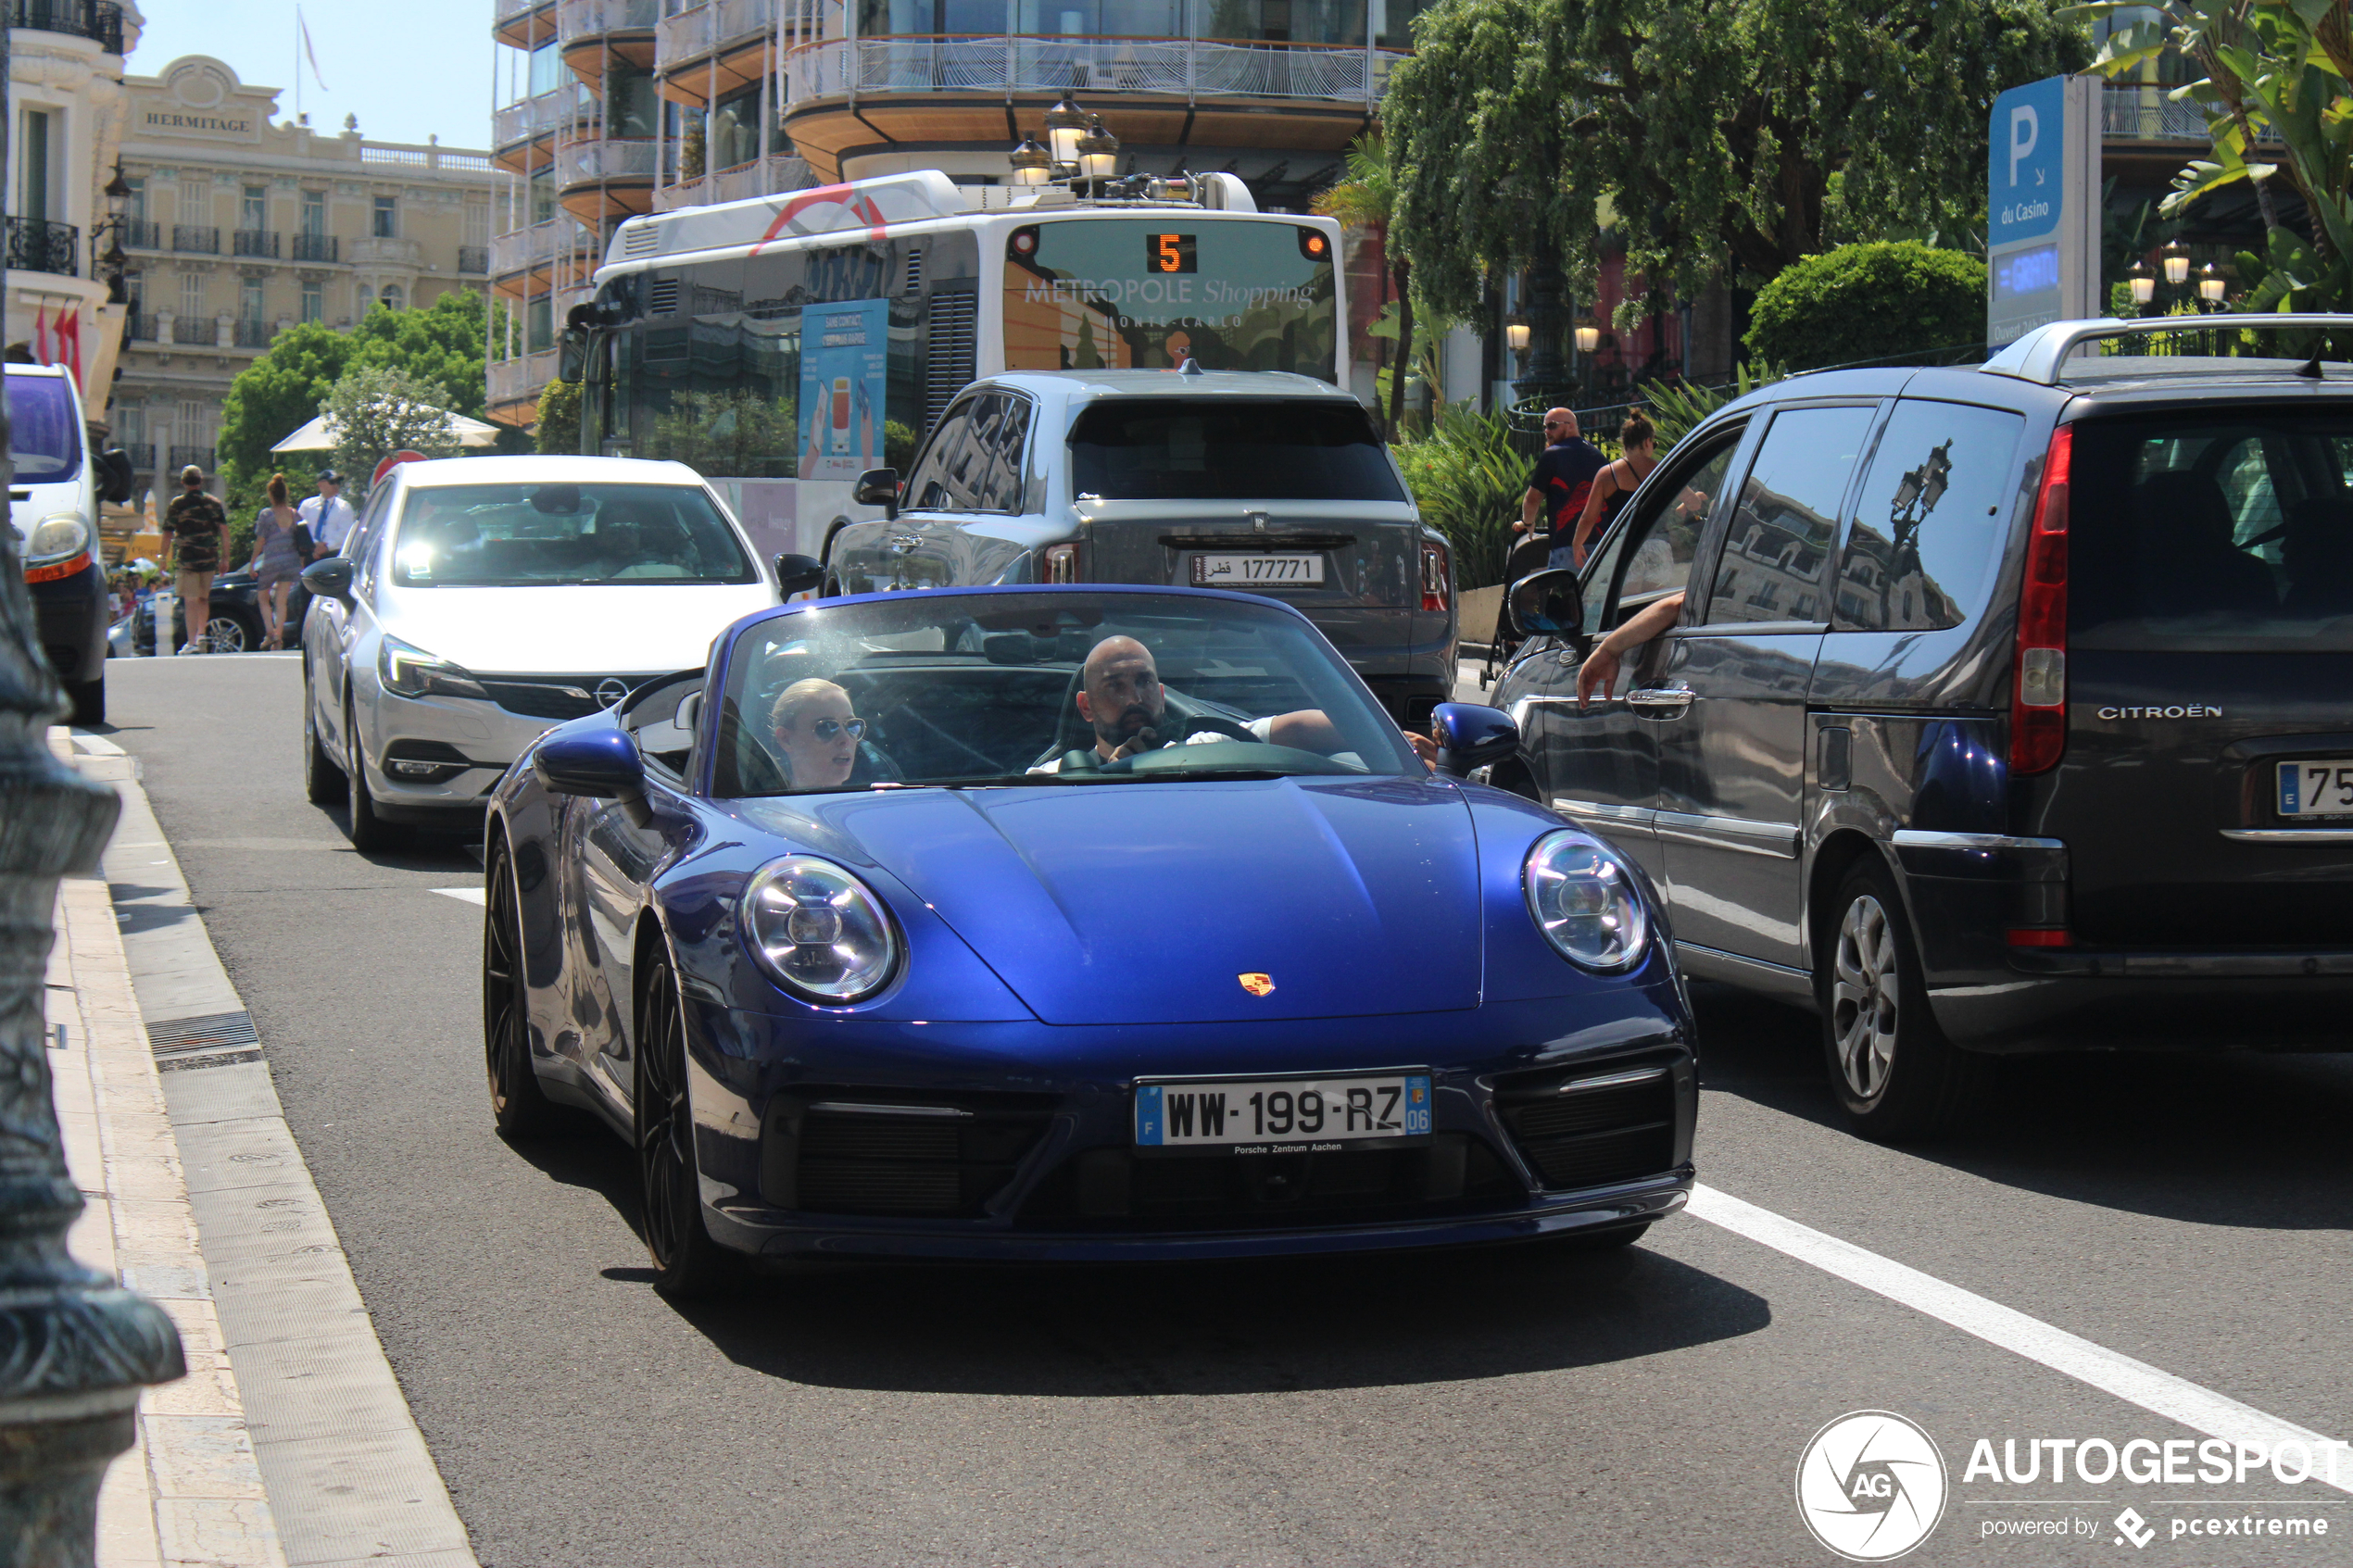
[[1529, 553]]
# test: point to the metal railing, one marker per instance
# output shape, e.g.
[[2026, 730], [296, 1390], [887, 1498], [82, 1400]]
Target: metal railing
[[315, 247], [143, 327], [200, 239], [141, 234], [589, 19], [474, 259], [584, 163], [2147, 113], [715, 24], [140, 452], [1176, 67], [255, 335], [520, 121], [513, 380], [99, 19], [255, 241], [195, 332], [507, 10], [36, 244], [183, 456], [777, 174]]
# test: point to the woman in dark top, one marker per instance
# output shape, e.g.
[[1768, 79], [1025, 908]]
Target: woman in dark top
[[1637, 438]]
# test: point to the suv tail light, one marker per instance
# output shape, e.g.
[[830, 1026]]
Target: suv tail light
[[1061, 563], [2038, 690], [1437, 578]]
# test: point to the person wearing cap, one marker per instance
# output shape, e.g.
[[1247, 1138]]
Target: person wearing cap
[[328, 516], [195, 533]]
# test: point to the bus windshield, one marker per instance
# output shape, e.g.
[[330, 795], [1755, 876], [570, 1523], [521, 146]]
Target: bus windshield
[[1094, 293]]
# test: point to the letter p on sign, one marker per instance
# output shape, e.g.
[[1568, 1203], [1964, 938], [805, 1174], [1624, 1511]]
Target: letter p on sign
[[2025, 130]]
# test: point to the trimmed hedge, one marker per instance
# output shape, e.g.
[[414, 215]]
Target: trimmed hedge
[[1869, 302]]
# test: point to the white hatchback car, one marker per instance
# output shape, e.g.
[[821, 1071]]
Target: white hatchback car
[[480, 601]]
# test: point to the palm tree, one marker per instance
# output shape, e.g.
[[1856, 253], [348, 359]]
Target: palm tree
[[1363, 198]]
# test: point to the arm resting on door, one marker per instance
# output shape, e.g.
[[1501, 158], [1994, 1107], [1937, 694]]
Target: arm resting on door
[[1601, 665]]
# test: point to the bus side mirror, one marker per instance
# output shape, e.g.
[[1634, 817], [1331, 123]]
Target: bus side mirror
[[878, 488], [571, 355]]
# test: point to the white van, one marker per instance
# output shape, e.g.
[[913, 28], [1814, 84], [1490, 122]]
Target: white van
[[53, 500]]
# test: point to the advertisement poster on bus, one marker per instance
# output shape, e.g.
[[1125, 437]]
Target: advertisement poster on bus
[[843, 356]]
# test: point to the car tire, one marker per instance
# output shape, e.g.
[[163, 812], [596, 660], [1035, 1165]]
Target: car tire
[[686, 1263], [366, 830], [1895, 1074], [322, 782], [229, 633], [519, 1106], [89, 699]]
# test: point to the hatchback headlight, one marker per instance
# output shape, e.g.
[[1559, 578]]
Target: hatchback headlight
[[55, 538], [408, 670], [1586, 902], [819, 930]]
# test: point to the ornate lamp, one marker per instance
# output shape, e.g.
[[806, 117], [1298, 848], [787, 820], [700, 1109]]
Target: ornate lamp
[[1033, 165], [2143, 286], [1098, 151], [2210, 285], [2177, 264], [1516, 334], [1066, 123], [1589, 334]]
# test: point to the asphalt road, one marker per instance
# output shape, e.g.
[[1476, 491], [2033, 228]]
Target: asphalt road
[[1487, 1408]]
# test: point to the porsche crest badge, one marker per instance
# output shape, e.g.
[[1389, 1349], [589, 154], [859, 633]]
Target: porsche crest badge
[[1257, 984]]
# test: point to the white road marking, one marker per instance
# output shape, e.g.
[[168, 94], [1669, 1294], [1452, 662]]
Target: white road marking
[[2137, 1383], [463, 895]]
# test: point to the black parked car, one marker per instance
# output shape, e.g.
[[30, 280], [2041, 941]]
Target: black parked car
[[235, 617], [2010, 709]]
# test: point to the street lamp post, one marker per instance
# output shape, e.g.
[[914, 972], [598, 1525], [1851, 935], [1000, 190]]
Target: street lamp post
[[1546, 373], [75, 1348]]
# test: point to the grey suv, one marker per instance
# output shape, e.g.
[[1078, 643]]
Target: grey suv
[[2009, 709], [1272, 483]]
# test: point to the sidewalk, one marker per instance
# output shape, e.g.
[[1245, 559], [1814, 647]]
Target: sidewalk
[[289, 1444]]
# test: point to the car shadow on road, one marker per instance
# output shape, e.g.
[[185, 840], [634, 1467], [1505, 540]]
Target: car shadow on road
[[2244, 1138]]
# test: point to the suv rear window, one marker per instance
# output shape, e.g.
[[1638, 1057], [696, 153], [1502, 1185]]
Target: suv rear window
[[1224, 449], [2206, 532]]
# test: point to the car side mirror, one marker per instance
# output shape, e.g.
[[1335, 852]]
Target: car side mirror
[[602, 764], [329, 579], [1547, 604], [1471, 737], [878, 488], [798, 574], [118, 479]]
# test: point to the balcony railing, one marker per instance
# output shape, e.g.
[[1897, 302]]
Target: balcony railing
[[715, 24], [200, 456], [473, 259], [590, 19], [98, 19], [255, 242], [314, 247], [514, 381], [1187, 68], [37, 246], [195, 332], [143, 327], [507, 10], [754, 179], [141, 454], [201, 239], [2149, 114], [553, 110], [140, 234], [585, 163], [255, 334]]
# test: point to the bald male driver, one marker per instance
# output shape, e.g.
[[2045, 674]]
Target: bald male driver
[[1121, 695]]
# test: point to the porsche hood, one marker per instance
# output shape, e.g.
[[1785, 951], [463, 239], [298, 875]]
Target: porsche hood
[[1175, 903]]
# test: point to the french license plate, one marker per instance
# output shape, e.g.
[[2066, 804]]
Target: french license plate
[[1257, 570], [1261, 1115], [2317, 788]]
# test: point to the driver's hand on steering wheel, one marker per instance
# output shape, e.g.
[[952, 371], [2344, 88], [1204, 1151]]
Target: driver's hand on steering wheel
[[1145, 739]]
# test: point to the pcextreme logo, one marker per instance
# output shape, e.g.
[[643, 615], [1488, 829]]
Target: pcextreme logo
[[1870, 1485]]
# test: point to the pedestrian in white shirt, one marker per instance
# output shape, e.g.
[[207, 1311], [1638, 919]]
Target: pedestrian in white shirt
[[328, 516]]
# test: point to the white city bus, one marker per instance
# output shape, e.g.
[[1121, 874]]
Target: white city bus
[[784, 336]]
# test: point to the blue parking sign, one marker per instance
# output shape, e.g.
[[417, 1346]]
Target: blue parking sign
[[2026, 151]]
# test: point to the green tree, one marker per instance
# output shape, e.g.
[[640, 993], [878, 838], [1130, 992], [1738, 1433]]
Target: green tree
[[557, 431], [737, 435], [377, 410], [1712, 127], [1869, 301], [1366, 198]]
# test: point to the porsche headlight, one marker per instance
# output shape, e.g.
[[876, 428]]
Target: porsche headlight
[[1586, 902], [408, 670], [55, 538], [819, 930]]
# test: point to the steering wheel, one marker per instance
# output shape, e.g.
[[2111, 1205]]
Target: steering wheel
[[1212, 722]]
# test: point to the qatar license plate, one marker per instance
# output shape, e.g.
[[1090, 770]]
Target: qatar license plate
[[2317, 788], [1262, 1115], [1258, 572]]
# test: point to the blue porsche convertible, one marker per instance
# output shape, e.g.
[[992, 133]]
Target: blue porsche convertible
[[1070, 922]]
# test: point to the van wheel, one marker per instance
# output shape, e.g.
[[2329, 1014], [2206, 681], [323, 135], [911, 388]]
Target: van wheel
[[89, 700], [1894, 1074]]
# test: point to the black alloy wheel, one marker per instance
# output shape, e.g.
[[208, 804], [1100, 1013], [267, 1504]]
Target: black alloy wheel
[[228, 634], [322, 782], [518, 1105], [1894, 1074], [366, 830], [687, 1261]]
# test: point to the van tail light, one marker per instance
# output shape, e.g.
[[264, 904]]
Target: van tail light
[[2038, 691], [1437, 578], [2037, 936], [1061, 563]]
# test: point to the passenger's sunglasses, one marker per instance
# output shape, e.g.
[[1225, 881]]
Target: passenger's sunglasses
[[826, 729]]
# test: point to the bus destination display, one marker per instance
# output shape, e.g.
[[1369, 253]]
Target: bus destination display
[[1170, 253]]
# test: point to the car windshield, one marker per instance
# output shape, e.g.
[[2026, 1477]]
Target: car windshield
[[1229, 449], [1061, 687], [44, 429], [519, 535]]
